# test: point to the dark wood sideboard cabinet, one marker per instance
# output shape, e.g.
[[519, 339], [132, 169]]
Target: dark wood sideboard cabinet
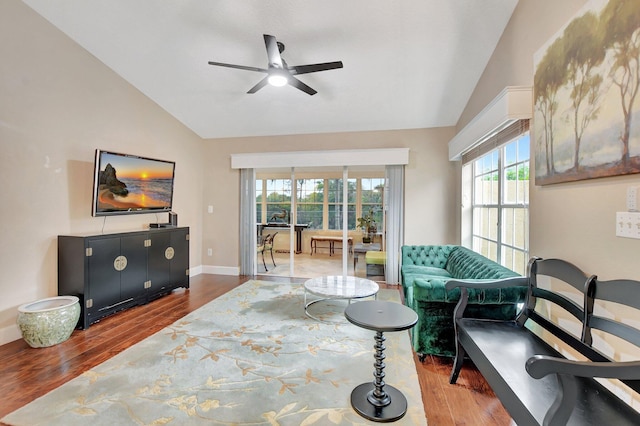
[[112, 272]]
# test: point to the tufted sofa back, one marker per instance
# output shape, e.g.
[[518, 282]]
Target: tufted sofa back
[[435, 256], [467, 264]]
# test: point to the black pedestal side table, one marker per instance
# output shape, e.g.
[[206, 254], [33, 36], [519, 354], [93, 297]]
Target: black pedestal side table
[[375, 400]]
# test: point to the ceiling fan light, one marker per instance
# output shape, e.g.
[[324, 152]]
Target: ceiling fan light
[[277, 80]]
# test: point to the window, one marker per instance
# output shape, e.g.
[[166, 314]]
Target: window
[[310, 202], [259, 191], [500, 204], [371, 197], [319, 200], [278, 198], [335, 207]]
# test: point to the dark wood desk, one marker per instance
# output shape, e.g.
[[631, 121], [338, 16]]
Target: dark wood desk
[[298, 228]]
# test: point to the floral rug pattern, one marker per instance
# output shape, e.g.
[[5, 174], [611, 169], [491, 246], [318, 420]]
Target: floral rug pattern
[[250, 357]]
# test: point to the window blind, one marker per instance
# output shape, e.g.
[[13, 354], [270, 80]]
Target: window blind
[[496, 140]]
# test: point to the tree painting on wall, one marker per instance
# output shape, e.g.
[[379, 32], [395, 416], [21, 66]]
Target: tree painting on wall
[[586, 103]]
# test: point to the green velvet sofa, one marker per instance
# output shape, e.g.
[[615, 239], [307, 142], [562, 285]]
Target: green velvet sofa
[[424, 272]]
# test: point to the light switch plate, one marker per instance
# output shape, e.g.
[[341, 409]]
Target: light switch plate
[[628, 224]]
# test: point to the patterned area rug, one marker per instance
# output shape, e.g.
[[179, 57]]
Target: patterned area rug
[[250, 357]]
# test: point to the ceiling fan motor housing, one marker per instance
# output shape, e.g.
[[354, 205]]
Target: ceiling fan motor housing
[[278, 72]]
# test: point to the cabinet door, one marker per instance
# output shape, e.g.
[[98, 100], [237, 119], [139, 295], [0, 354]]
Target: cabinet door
[[103, 289], [180, 261], [160, 255], [134, 276]]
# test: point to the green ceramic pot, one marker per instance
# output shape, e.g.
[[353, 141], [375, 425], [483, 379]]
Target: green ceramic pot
[[50, 321]]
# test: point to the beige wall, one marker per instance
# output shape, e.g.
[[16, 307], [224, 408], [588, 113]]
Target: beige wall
[[57, 105], [429, 183], [574, 221]]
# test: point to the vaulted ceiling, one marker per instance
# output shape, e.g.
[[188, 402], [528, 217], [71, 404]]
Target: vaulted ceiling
[[407, 64]]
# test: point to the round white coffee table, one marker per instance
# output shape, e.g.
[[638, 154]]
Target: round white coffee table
[[332, 287]]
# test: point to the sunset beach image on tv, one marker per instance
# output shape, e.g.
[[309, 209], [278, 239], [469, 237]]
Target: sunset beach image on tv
[[131, 184]]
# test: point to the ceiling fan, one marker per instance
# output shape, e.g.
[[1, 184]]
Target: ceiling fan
[[279, 73]]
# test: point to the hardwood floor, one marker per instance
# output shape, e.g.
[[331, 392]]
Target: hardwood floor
[[27, 373]]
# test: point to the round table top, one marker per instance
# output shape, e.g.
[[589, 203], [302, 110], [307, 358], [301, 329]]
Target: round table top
[[340, 286], [379, 315]]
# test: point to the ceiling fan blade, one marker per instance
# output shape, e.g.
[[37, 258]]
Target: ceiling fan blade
[[300, 85], [305, 69], [240, 67], [260, 85], [273, 53]]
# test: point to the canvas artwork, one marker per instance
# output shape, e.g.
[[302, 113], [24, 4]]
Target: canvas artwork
[[586, 104]]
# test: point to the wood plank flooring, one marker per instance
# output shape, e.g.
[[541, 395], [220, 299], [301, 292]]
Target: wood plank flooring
[[27, 373]]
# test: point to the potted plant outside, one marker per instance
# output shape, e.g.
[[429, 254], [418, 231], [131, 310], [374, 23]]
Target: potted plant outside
[[368, 225]]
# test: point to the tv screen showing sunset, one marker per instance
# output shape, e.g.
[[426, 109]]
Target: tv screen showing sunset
[[133, 184]]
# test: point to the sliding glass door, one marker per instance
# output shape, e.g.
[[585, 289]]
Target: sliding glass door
[[317, 202], [324, 202]]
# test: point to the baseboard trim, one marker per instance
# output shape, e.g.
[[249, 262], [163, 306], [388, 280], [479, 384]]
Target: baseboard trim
[[10, 333], [220, 270], [196, 270]]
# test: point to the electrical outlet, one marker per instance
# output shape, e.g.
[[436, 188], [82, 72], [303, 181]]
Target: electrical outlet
[[632, 199], [628, 224], [210, 209], [210, 252]]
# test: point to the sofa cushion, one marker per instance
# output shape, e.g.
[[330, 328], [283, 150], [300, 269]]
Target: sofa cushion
[[424, 270], [375, 257], [432, 289], [411, 272]]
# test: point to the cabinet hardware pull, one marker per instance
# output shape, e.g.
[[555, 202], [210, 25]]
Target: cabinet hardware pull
[[116, 304], [169, 253], [120, 263]]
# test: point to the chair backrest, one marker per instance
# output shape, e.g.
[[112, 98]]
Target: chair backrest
[[262, 241], [268, 240], [566, 272], [621, 300], [559, 301]]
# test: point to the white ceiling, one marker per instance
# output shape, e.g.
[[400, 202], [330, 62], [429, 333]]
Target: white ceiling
[[407, 64]]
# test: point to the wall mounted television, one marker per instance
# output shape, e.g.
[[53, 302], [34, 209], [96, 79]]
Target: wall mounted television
[[130, 184]]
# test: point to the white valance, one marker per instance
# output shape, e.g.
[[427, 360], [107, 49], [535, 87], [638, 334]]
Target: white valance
[[512, 104], [330, 158]]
